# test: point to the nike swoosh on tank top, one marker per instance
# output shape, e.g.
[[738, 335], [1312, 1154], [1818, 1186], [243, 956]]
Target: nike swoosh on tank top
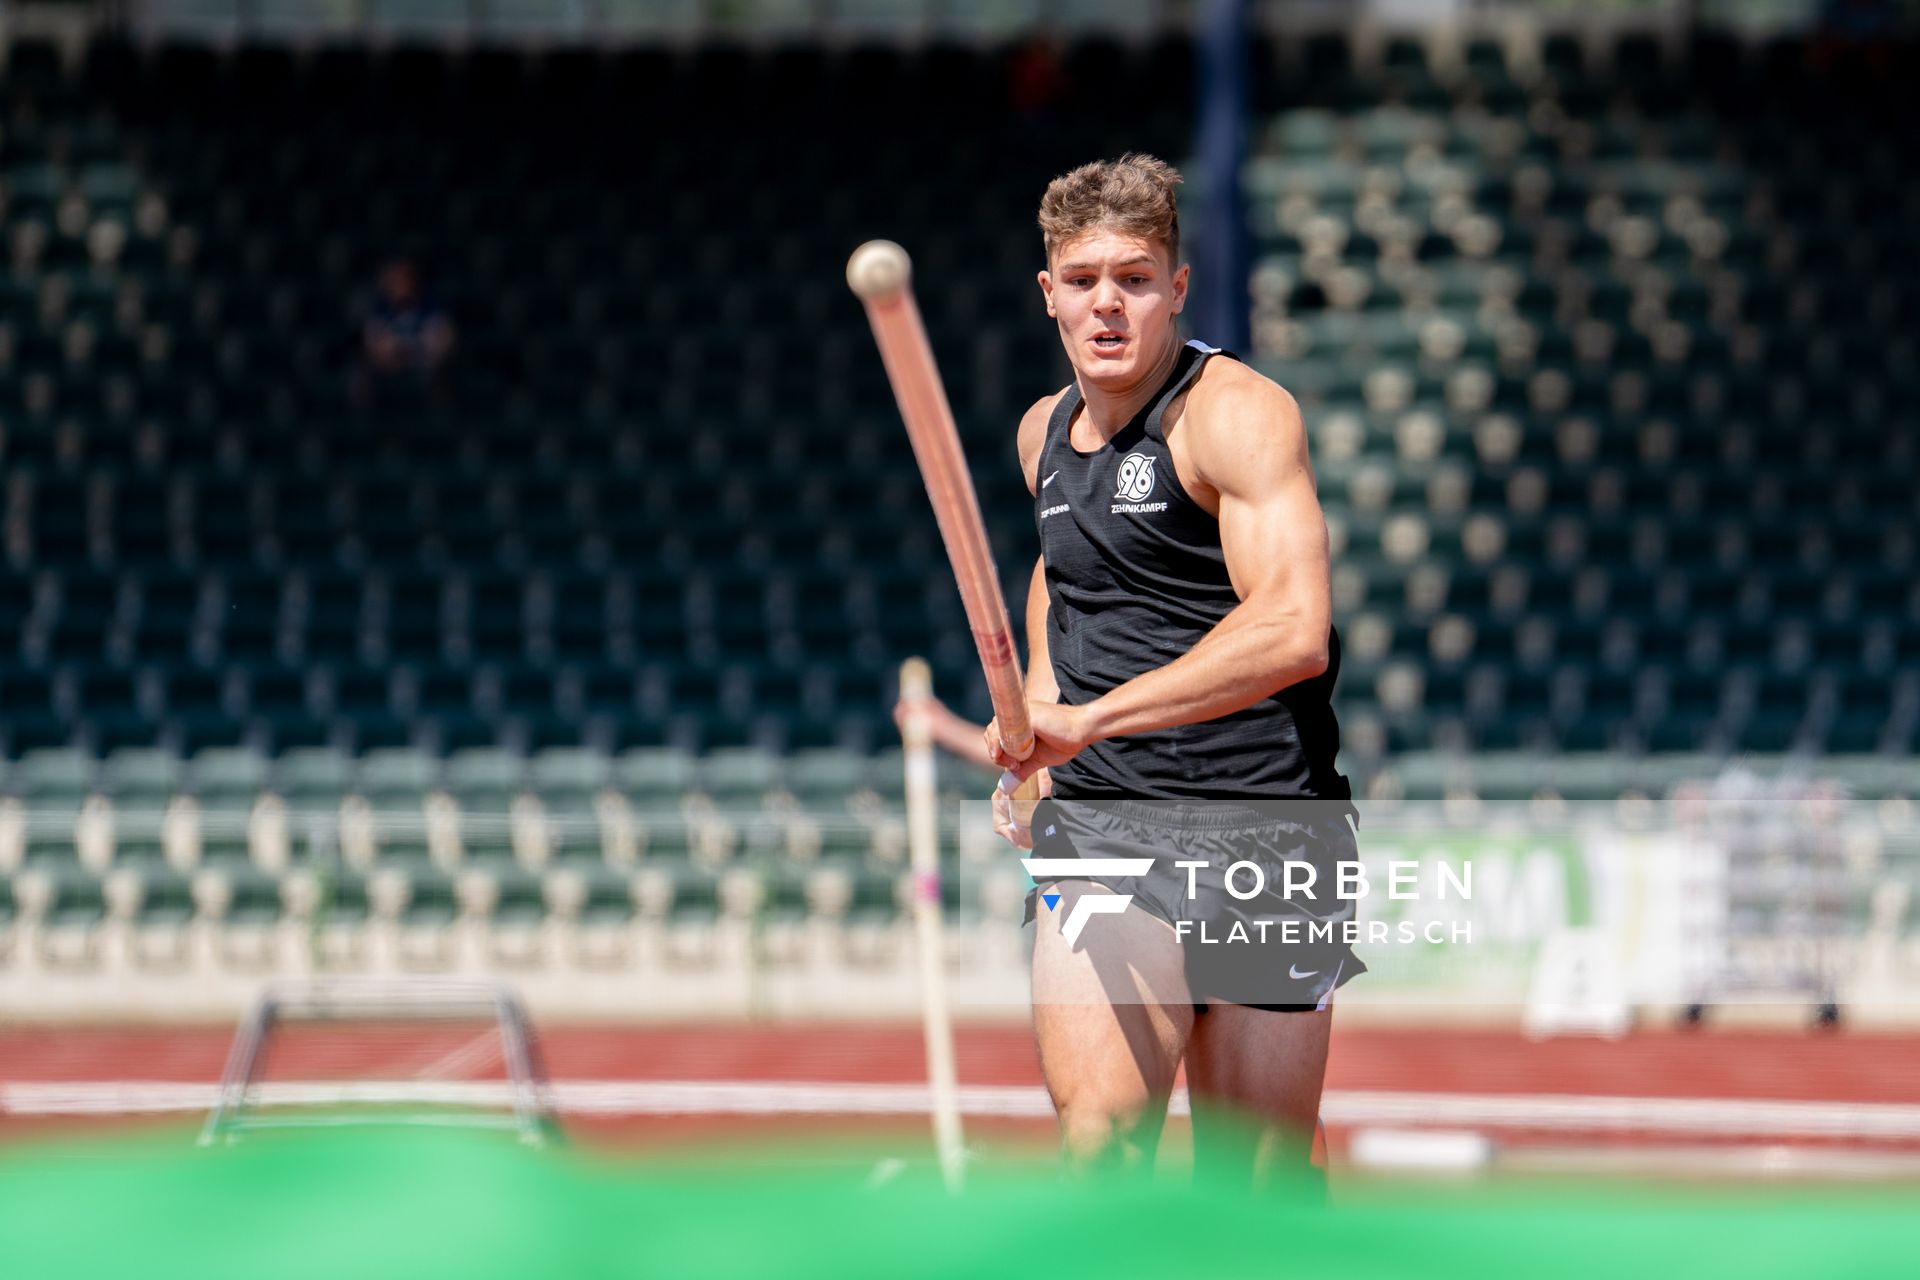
[[1135, 577]]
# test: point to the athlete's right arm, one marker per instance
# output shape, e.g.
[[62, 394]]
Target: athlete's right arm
[[1041, 686], [1033, 438]]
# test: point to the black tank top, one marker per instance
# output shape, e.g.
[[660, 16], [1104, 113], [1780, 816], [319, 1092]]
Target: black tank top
[[1135, 577]]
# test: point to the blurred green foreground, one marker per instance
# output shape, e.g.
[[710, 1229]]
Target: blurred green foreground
[[422, 1204]]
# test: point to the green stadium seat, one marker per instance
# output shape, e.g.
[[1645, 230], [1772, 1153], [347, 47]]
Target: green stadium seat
[[166, 899], [140, 777], [573, 787], [876, 899], [655, 778], [824, 779], [312, 782], [484, 775], [696, 895], [50, 833], [887, 778], [484, 783], [608, 899], [519, 898], [139, 834], [76, 903], [227, 777], [569, 771], [396, 777], [254, 898], [740, 777], [1431, 776], [53, 775], [313, 777], [432, 901]]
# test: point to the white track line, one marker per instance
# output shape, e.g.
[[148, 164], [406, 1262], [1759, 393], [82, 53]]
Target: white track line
[[1588, 1113], [1720, 1160], [1876, 1121]]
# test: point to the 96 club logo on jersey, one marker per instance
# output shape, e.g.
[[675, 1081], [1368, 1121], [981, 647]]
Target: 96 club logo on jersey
[[1136, 482]]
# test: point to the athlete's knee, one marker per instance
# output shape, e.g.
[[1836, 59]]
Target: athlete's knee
[[1099, 1131]]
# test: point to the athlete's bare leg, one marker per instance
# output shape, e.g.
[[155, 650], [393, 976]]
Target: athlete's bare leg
[[1255, 1078], [1112, 1015]]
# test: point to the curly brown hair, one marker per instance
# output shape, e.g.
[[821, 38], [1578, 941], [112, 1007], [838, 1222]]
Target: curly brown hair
[[1133, 195]]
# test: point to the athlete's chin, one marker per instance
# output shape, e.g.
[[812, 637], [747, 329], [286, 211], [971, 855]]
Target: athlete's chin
[[1102, 364]]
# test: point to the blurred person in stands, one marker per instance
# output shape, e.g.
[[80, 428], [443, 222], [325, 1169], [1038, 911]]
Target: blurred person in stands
[[1036, 78], [406, 343], [1182, 659]]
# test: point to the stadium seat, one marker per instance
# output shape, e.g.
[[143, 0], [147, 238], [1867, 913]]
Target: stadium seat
[[655, 779], [484, 784]]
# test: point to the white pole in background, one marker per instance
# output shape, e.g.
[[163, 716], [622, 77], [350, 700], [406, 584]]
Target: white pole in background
[[923, 847]]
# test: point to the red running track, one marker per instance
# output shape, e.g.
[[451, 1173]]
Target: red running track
[[1833, 1065]]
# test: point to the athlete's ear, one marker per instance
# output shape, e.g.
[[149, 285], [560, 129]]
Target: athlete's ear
[[1180, 288], [1046, 288]]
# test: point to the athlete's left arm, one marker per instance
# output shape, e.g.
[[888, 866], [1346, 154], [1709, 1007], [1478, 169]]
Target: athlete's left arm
[[1247, 448]]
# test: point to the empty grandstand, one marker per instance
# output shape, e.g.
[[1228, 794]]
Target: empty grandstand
[[1606, 347]]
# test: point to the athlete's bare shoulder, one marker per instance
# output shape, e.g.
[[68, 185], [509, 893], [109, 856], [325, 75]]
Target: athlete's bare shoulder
[[1231, 395], [1033, 435], [1235, 422]]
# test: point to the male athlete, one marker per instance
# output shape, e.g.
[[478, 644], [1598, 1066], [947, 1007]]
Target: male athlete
[[1181, 660]]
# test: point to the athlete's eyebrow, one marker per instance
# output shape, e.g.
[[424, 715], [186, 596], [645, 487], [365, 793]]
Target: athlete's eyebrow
[[1088, 266]]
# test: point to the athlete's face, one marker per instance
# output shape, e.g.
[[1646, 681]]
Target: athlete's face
[[1114, 297]]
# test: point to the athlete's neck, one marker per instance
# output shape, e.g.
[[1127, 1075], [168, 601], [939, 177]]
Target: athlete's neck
[[1109, 409]]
